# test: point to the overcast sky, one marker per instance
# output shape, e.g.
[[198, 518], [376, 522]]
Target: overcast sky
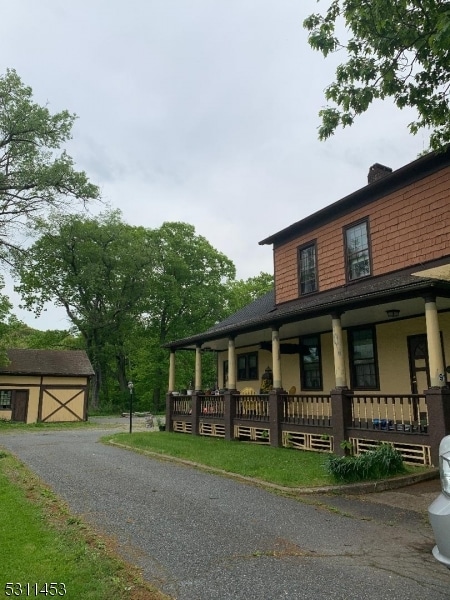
[[203, 111]]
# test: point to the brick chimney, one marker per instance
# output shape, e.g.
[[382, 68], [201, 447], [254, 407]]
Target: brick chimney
[[377, 172]]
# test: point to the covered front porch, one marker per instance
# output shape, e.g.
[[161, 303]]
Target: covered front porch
[[351, 369]]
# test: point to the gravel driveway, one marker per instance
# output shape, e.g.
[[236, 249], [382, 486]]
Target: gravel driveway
[[199, 536]]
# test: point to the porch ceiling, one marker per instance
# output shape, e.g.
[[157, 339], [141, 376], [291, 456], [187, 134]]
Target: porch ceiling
[[358, 303], [413, 307]]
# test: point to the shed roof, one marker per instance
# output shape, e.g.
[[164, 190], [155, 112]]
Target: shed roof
[[47, 362]]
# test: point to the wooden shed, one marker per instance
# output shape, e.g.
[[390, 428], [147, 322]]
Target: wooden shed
[[45, 385]]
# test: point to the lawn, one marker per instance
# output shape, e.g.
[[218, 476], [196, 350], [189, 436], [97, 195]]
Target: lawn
[[281, 466], [48, 552]]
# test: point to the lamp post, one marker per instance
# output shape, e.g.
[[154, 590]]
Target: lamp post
[[130, 387]]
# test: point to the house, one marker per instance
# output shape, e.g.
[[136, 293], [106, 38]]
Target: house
[[45, 386], [355, 338]]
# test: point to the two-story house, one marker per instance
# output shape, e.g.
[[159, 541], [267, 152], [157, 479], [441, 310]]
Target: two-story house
[[353, 344]]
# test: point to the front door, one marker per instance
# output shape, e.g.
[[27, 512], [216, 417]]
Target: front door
[[418, 363], [20, 406]]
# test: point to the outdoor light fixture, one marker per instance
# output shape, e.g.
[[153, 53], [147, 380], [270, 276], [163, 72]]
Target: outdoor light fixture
[[130, 387], [392, 313]]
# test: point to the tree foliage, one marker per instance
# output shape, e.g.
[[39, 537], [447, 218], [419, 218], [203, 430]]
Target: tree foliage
[[127, 290], [99, 271], [34, 175], [244, 291], [394, 49]]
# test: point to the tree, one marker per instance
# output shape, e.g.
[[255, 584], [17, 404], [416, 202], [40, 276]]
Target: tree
[[244, 291], [127, 290], [33, 176], [395, 49], [100, 270], [189, 291]]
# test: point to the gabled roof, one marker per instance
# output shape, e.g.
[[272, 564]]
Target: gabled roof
[[410, 173], [263, 312], [47, 362]]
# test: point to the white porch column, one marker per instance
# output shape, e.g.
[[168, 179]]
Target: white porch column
[[338, 349], [276, 358], [172, 371], [231, 364], [198, 368], [435, 356]]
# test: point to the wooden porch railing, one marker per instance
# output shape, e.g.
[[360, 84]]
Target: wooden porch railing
[[310, 409], [413, 423], [407, 413], [252, 407]]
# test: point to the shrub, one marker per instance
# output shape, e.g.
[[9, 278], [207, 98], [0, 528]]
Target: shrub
[[383, 461]]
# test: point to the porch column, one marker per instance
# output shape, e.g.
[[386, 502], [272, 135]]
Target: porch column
[[338, 349], [198, 368], [276, 359], [435, 356], [171, 371], [231, 364]]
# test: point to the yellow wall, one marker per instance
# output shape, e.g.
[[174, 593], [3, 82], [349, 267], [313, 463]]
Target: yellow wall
[[392, 348], [32, 384], [53, 412], [393, 351]]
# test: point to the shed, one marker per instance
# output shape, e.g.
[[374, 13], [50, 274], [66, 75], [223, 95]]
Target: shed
[[45, 385]]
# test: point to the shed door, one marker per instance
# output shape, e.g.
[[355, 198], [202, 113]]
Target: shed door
[[20, 406]]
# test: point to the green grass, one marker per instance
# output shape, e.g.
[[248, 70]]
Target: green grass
[[41, 542], [282, 466], [15, 426]]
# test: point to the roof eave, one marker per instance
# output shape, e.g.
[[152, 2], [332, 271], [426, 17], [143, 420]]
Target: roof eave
[[414, 171]]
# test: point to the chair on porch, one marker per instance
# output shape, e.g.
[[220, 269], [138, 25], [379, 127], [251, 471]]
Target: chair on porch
[[248, 405], [292, 390], [248, 391]]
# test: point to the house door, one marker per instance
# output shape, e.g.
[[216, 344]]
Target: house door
[[418, 363], [20, 406]]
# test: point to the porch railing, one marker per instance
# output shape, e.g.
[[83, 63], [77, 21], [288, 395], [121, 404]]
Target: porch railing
[[310, 409], [413, 423], [405, 413], [212, 406], [182, 405], [252, 407]]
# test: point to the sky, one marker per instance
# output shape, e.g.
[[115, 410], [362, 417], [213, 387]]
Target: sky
[[202, 111]]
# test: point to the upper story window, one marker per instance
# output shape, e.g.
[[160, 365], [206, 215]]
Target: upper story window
[[357, 251], [247, 366], [307, 268]]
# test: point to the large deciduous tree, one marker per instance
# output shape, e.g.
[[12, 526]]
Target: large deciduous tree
[[126, 289], [34, 174], [189, 291], [395, 49], [100, 270]]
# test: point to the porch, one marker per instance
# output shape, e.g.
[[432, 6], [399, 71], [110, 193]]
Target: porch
[[413, 423], [368, 360]]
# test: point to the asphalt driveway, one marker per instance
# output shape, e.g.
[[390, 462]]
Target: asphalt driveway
[[199, 536]]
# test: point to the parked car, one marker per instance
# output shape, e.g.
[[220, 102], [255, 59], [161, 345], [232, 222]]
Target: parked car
[[439, 510]]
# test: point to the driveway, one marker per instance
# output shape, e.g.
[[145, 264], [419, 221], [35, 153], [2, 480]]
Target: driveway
[[199, 536]]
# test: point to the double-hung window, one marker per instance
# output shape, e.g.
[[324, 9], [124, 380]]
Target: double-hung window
[[247, 366], [5, 399], [357, 251], [363, 354], [310, 363], [307, 268]]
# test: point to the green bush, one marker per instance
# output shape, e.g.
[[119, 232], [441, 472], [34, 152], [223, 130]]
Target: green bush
[[383, 461]]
